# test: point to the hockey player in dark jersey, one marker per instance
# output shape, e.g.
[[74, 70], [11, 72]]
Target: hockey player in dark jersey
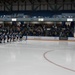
[[14, 36], [8, 37], [4, 37], [17, 35], [20, 35], [0, 37]]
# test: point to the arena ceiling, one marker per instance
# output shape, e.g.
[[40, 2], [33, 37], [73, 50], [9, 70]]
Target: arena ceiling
[[8, 5], [38, 1], [53, 1]]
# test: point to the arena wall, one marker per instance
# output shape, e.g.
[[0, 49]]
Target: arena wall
[[48, 38]]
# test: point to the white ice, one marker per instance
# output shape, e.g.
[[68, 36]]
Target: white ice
[[27, 58]]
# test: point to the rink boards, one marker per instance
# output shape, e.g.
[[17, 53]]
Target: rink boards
[[48, 38]]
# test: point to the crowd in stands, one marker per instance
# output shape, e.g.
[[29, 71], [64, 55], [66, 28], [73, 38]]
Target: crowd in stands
[[51, 30], [18, 30]]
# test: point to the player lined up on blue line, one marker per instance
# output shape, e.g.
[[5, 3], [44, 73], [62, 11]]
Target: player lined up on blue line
[[10, 37]]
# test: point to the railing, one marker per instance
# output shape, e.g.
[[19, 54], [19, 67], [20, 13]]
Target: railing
[[37, 19]]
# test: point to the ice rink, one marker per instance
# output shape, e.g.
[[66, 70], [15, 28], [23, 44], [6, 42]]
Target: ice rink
[[37, 58]]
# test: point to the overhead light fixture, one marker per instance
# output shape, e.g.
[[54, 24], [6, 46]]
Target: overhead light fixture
[[40, 19], [14, 19], [69, 19]]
